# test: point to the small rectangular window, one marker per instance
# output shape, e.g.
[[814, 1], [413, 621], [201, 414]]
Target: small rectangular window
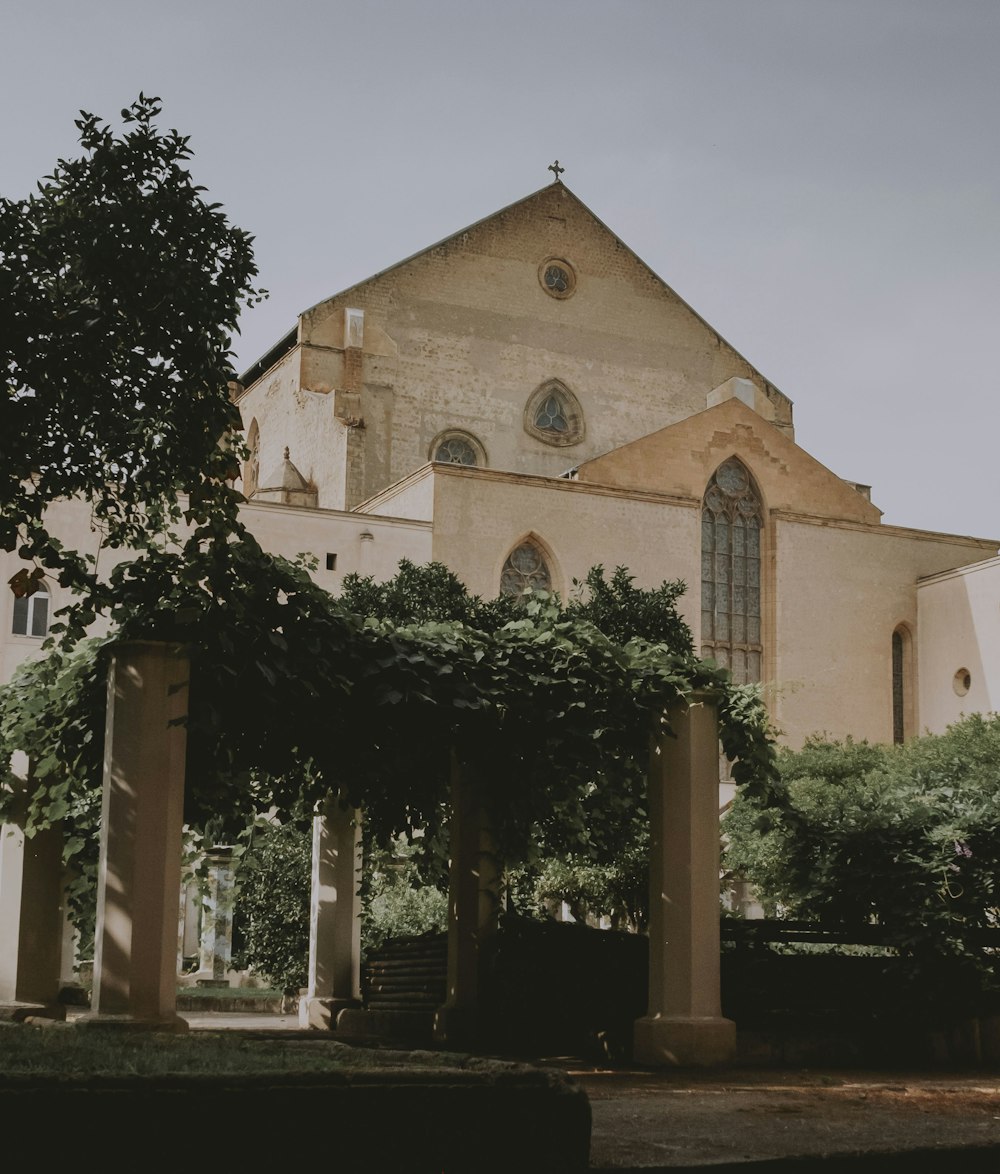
[[331, 562]]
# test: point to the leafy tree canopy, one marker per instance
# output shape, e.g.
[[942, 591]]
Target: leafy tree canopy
[[905, 837], [120, 289]]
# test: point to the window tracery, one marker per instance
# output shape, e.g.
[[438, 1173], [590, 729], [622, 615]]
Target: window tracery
[[457, 448], [553, 415], [525, 570]]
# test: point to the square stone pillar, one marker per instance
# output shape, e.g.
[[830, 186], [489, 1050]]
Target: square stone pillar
[[684, 1025], [473, 911], [31, 922], [142, 811], [334, 918]]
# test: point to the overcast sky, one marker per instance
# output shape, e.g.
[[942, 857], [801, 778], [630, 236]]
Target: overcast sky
[[819, 179]]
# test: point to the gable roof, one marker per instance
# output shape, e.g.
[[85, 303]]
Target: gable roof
[[681, 458], [288, 341]]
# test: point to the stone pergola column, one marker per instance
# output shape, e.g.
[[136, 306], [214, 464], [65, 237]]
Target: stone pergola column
[[31, 922], [135, 956], [473, 910], [684, 1026], [334, 981]]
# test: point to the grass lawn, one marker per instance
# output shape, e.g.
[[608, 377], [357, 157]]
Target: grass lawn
[[62, 1049]]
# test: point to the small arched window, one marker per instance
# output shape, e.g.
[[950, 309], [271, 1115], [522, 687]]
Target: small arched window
[[902, 684], [525, 570], [31, 614], [732, 516], [553, 415], [251, 470], [457, 448]]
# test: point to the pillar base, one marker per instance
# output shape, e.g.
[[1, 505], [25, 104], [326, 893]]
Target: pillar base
[[19, 1010], [320, 1014], [682, 1042], [95, 1021]]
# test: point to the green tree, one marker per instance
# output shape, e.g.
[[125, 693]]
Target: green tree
[[120, 287], [905, 837]]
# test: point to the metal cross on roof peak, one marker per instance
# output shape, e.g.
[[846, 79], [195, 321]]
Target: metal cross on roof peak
[[556, 170]]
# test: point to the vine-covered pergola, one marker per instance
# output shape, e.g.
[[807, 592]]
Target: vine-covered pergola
[[230, 681], [240, 684]]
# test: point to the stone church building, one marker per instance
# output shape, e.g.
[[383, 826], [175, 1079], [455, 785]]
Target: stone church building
[[526, 399]]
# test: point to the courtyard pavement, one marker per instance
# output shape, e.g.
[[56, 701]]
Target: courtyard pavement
[[763, 1120]]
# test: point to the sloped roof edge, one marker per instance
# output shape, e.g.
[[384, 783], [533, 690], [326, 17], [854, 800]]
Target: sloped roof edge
[[284, 345]]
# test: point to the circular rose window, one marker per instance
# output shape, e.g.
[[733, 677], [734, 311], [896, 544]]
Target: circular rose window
[[557, 277]]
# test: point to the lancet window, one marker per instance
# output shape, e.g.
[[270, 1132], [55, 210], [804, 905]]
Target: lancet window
[[732, 517]]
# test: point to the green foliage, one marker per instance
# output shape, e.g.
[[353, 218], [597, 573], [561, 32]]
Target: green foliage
[[423, 594], [397, 901], [905, 837], [618, 890], [120, 288], [294, 696], [272, 903], [622, 611]]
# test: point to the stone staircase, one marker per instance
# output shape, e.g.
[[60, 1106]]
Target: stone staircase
[[402, 985]]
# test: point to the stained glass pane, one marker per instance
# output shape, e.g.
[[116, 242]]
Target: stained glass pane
[[739, 570], [721, 568], [525, 570], [722, 625], [753, 630], [551, 415], [707, 595], [739, 629], [455, 451], [708, 625]]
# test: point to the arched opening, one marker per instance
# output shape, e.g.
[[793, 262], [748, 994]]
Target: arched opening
[[31, 614], [902, 685], [456, 447], [526, 569], [732, 518]]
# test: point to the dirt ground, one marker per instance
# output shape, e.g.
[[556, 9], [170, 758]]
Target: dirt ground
[[688, 1119]]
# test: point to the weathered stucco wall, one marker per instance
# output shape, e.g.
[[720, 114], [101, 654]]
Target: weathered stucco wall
[[460, 336], [958, 634], [836, 595], [479, 517]]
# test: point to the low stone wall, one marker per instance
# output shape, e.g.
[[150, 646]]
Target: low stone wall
[[487, 1117]]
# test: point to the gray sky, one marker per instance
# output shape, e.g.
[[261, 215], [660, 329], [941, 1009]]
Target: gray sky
[[819, 179]]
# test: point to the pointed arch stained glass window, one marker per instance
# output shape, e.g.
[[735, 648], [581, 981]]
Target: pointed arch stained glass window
[[731, 523], [525, 570]]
